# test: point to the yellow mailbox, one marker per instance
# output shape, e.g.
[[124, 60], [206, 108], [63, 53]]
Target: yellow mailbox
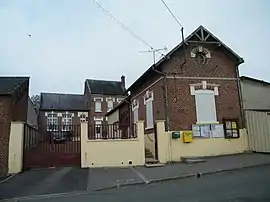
[[187, 136]]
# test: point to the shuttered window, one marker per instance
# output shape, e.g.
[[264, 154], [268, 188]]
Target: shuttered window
[[205, 106], [149, 115]]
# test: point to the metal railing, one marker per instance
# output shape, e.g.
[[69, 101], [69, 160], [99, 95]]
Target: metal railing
[[112, 131]]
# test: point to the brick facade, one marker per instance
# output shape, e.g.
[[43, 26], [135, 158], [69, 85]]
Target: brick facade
[[220, 69], [12, 108]]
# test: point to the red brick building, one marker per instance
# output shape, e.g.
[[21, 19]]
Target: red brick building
[[196, 82], [14, 102]]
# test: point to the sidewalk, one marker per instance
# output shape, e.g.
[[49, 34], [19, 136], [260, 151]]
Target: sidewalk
[[113, 177], [72, 181]]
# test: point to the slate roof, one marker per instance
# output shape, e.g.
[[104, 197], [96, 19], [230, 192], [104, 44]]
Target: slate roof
[[9, 84], [105, 87], [57, 101]]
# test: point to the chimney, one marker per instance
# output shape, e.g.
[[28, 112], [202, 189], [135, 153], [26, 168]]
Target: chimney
[[123, 81]]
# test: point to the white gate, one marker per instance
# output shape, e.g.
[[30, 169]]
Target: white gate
[[258, 126]]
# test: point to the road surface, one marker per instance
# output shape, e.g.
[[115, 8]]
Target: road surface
[[252, 184]]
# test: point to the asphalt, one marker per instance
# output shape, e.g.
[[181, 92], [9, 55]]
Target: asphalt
[[245, 185], [67, 180]]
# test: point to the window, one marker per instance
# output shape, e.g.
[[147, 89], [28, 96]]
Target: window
[[110, 105], [52, 121], [98, 106], [98, 131], [136, 115], [66, 121], [205, 106], [149, 115], [83, 118]]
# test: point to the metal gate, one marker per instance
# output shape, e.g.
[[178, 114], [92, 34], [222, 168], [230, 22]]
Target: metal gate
[[258, 126], [52, 146]]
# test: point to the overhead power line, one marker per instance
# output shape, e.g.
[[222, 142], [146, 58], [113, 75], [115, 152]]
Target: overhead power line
[[172, 13], [123, 26]]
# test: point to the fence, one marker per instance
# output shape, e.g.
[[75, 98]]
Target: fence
[[258, 125], [112, 131], [52, 145]]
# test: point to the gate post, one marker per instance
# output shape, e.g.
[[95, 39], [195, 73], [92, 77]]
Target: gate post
[[84, 138], [15, 156], [162, 142]]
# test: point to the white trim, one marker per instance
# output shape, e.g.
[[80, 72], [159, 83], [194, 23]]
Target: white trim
[[98, 99], [200, 49], [135, 104], [201, 78], [119, 100], [46, 113], [82, 113], [203, 85], [98, 118], [110, 99], [150, 99], [59, 114]]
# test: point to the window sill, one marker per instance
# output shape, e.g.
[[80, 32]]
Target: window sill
[[98, 111], [149, 128], [207, 123]]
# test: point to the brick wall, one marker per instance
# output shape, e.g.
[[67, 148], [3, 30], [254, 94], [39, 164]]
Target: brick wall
[[5, 119], [220, 69]]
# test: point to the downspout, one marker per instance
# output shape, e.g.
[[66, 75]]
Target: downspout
[[240, 95], [165, 92]]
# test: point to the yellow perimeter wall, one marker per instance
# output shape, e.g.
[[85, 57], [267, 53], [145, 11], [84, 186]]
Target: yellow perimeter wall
[[112, 153], [173, 149], [15, 155]]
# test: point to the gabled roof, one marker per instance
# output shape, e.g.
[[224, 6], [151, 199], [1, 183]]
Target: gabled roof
[[9, 84], [200, 35], [57, 101], [104, 87]]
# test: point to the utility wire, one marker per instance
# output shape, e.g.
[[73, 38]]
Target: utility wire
[[122, 25], [171, 13]]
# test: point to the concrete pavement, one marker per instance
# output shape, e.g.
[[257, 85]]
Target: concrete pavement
[[247, 185], [77, 181]]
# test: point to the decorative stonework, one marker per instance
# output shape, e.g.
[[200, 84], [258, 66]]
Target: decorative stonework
[[148, 97], [200, 49], [135, 104], [203, 85]]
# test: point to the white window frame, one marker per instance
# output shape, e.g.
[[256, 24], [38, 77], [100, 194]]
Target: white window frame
[[200, 113], [148, 102], [83, 116], [98, 100], [98, 124], [110, 102], [52, 120], [67, 121], [135, 110]]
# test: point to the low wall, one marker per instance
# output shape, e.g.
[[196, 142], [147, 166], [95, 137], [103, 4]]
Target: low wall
[[149, 141], [15, 157], [173, 149], [112, 152]]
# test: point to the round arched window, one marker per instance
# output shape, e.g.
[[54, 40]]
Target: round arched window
[[200, 58]]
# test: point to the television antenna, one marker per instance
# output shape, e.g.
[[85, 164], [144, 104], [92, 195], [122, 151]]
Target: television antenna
[[152, 50]]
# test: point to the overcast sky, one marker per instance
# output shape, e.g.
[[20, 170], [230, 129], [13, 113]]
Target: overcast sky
[[73, 40]]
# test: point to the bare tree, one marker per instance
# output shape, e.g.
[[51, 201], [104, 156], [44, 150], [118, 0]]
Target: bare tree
[[36, 101]]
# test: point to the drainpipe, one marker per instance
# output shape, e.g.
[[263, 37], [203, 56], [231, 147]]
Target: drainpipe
[[165, 92]]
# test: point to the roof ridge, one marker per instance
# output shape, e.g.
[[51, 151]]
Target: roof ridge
[[103, 80]]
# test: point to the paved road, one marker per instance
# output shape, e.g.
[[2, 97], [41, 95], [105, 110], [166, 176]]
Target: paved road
[[252, 184]]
